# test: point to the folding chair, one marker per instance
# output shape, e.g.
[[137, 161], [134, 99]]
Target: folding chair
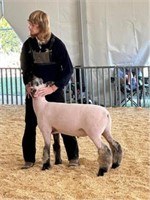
[[135, 89], [78, 88]]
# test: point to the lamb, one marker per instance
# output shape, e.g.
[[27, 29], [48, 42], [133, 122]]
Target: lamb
[[76, 120]]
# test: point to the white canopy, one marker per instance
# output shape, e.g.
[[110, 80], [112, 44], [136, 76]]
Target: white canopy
[[96, 32]]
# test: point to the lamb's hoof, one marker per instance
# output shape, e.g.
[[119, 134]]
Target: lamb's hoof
[[102, 171], [58, 162], [46, 166], [115, 165]]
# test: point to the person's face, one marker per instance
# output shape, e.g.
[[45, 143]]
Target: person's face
[[34, 29]]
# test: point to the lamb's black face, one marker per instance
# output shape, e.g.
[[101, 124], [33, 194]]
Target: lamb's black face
[[35, 82], [33, 91]]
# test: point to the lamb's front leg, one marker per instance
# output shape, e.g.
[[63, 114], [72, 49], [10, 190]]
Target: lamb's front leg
[[46, 157], [46, 150]]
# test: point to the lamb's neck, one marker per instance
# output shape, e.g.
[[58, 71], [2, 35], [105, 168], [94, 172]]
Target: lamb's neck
[[39, 103]]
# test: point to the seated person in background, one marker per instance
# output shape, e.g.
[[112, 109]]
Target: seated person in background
[[132, 78]]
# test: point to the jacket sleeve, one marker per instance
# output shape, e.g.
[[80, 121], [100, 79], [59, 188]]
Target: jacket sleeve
[[26, 64], [66, 67]]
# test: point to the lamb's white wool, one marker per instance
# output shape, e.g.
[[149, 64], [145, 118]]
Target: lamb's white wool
[[77, 120]]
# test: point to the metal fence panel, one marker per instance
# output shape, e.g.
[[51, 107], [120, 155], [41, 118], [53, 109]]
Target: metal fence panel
[[12, 90], [104, 85]]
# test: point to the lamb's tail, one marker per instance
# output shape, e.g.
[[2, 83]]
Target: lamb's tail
[[108, 123], [109, 119]]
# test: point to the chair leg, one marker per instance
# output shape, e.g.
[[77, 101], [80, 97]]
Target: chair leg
[[129, 99]]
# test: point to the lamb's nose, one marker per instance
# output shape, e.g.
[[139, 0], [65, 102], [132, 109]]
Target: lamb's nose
[[33, 91]]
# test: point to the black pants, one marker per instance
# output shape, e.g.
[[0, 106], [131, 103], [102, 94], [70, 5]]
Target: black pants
[[29, 138]]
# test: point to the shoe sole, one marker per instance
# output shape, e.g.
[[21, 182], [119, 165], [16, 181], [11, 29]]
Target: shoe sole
[[27, 167]]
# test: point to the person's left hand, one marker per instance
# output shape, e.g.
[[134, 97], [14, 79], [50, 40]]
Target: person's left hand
[[45, 91]]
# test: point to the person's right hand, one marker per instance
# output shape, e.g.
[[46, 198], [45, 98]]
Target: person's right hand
[[28, 90]]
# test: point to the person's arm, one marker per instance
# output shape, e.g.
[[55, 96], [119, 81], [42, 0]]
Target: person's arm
[[66, 66], [26, 62], [67, 70]]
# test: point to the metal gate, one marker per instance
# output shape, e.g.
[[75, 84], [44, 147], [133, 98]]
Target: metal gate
[[104, 85]]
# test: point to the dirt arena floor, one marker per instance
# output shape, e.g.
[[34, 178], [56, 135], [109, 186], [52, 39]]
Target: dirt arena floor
[[131, 181]]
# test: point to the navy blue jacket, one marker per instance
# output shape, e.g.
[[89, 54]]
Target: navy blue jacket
[[58, 70]]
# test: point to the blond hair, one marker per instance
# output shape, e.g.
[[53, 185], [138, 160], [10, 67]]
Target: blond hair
[[41, 19]]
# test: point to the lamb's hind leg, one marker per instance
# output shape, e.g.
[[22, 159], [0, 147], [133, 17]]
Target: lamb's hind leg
[[57, 149], [104, 155], [117, 154], [104, 159], [115, 147]]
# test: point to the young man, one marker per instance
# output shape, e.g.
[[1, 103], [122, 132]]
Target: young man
[[45, 55]]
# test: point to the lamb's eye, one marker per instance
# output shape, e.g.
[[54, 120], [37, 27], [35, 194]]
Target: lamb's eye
[[41, 81]]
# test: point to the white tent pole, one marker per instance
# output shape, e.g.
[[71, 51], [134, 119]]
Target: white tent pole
[[2, 8], [83, 33]]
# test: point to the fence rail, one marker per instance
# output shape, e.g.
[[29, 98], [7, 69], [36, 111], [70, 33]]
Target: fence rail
[[12, 90], [105, 86]]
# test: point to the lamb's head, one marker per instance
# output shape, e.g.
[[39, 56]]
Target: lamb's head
[[36, 83]]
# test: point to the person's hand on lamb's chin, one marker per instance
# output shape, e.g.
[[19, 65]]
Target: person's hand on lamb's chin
[[28, 90], [45, 91]]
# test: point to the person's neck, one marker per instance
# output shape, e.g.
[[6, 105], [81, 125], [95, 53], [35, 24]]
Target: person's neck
[[43, 40]]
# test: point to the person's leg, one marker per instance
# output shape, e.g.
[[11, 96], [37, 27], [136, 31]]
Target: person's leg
[[29, 137], [70, 142], [71, 147], [57, 149]]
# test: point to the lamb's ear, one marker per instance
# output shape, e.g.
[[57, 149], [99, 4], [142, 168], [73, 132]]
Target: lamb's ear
[[50, 83], [34, 77], [40, 81]]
